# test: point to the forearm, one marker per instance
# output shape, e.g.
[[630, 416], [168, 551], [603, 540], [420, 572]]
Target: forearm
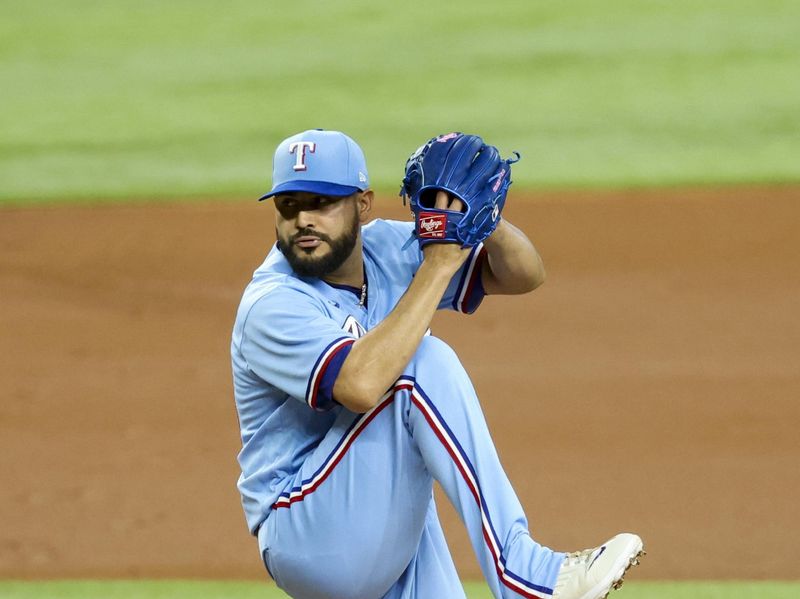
[[377, 359], [513, 265]]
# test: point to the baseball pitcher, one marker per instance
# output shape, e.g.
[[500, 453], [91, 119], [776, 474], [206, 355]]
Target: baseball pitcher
[[349, 409]]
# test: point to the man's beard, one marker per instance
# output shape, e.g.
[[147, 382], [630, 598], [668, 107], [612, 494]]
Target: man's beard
[[306, 265]]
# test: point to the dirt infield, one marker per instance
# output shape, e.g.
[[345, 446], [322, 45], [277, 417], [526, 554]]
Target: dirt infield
[[652, 384]]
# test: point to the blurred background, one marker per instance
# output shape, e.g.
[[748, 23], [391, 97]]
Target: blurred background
[[146, 99], [651, 384]]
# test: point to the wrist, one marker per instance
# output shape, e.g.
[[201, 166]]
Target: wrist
[[438, 270], [446, 257]]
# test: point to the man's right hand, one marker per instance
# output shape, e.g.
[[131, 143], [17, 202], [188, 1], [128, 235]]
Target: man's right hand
[[446, 255]]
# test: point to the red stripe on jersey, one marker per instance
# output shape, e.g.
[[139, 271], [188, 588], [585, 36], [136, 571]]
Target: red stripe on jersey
[[320, 372]]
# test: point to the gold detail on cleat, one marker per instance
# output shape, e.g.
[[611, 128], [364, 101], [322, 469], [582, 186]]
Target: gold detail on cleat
[[634, 561]]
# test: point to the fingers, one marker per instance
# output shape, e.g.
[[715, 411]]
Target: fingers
[[442, 200], [445, 202]]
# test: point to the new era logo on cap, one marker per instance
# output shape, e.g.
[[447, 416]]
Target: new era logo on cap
[[317, 161]]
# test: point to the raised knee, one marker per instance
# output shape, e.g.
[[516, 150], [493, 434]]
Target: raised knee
[[434, 357]]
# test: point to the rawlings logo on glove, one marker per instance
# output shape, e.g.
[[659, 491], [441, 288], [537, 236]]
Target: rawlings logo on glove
[[431, 226], [466, 168]]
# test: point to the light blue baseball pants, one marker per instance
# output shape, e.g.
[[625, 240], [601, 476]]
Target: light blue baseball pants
[[359, 521]]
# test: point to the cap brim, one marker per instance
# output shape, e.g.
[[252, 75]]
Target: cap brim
[[320, 187]]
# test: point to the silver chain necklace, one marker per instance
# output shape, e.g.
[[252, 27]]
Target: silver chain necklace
[[363, 299]]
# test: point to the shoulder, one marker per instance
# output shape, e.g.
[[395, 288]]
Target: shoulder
[[381, 226], [393, 234], [280, 291], [391, 245], [273, 305], [275, 288]]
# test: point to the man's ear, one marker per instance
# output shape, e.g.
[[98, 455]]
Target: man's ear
[[364, 200]]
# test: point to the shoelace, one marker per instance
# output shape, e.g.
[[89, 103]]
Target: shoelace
[[577, 557], [567, 571]]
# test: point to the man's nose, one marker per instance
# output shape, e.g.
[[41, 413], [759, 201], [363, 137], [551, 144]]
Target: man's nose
[[305, 218]]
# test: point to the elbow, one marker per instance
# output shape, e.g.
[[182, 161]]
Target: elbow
[[356, 396], [361, 403], [537, 280], [531, 282]]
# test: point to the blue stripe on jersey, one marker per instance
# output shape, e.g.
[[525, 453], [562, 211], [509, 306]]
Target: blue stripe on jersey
[[481, 500], [330, 374], [287, 494], [470, 293], [310, 484], [317, 373]]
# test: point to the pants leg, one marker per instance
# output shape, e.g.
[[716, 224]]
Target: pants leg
[[450, 430], [355, 518], [356, 523], [431, 572]]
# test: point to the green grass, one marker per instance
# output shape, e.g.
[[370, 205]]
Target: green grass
[[257, 590], [162, 99]]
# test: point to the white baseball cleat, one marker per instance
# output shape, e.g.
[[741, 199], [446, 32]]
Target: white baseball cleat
[[594, 573]]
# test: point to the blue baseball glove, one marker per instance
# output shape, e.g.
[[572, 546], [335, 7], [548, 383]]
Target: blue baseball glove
[[466, 168]]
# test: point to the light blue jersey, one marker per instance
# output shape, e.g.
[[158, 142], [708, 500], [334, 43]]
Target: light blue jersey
[[290, 339], [342, 503]]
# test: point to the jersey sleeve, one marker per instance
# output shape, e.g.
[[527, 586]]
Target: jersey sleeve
[[290, 341], [465, 291]]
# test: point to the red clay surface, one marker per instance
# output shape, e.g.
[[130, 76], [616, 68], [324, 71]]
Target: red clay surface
[[652, 384]]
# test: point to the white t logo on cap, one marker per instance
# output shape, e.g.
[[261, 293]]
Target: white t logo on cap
[[302, 146]]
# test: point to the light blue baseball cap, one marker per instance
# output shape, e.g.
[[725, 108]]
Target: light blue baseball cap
[[317, 161]]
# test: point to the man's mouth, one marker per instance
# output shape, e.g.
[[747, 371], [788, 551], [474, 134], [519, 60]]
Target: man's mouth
[[307, 242]]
